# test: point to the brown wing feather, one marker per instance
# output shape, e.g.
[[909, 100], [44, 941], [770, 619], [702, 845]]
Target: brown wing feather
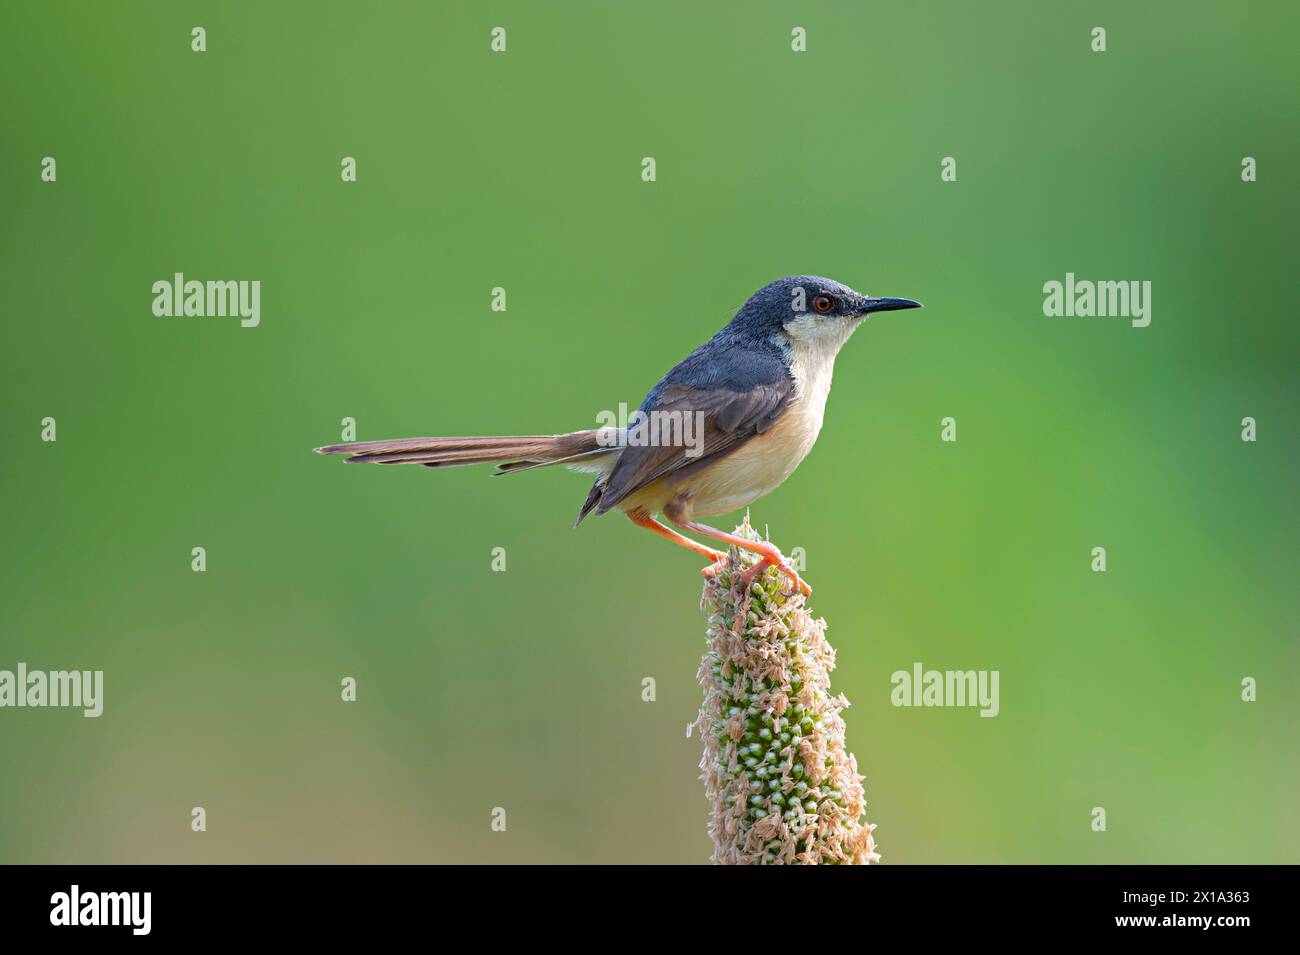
[[729, 419]]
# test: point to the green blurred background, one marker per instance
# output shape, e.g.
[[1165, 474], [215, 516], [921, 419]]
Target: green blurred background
[[523, 689]]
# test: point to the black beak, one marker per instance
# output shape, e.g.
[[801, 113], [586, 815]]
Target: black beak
[[887, 305]]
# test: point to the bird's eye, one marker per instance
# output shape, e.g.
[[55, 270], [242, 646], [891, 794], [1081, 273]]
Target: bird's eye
[[823, 303]]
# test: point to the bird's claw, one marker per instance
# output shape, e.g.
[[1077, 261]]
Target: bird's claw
[[782, 564], [800, 587], [715, 568]]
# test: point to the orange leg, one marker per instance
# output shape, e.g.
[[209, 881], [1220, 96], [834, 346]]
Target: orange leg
[[768, 553], [650, 524]]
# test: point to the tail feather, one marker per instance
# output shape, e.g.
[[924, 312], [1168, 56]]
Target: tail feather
[[509, 452], [593, 461]]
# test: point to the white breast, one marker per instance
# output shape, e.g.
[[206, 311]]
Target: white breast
[[811, 368]]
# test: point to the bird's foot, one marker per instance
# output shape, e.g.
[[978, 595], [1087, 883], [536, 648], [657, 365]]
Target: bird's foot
[[719, 564], [782, 564]]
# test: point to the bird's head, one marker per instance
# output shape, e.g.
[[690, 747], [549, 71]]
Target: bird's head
[[810, 310]]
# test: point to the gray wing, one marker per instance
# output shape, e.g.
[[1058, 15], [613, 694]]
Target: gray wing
[[731, 404]]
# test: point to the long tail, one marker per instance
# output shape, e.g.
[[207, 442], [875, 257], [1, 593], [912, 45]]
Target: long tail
[[584, 450]]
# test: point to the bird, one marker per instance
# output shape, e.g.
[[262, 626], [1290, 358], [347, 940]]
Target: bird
[[724, 427]]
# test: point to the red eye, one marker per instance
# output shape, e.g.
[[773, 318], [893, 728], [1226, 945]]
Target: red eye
[[823, 303]]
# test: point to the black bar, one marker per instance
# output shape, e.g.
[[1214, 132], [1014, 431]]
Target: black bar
[[333, 903]]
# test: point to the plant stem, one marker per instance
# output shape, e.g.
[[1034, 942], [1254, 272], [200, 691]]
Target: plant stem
[[782, 785]]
